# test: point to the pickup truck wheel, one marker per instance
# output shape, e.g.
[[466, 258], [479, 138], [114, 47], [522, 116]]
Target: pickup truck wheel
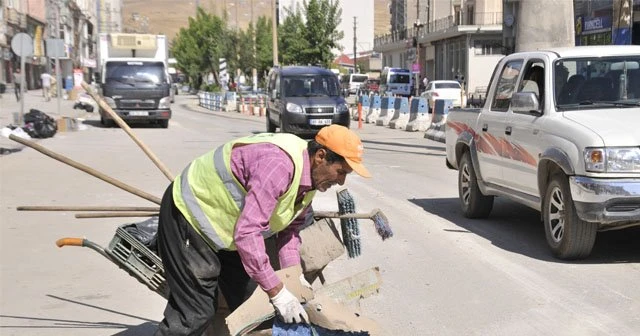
[[568, 236], [474, 203], [271, 127]]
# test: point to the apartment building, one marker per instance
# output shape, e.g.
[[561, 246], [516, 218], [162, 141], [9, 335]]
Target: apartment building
[[452, 39]]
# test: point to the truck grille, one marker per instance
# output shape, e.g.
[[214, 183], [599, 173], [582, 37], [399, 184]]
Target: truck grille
[[136, 104], [319, 110]]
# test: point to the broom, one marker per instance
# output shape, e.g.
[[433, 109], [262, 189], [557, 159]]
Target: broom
[[349, 222]]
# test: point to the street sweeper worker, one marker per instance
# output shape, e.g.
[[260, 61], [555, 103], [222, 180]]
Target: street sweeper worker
[[215, 216]]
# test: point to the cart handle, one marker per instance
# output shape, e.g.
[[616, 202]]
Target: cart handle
[[70, 242]]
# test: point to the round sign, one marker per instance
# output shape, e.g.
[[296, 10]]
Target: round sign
[[509, 20], [22, 45]]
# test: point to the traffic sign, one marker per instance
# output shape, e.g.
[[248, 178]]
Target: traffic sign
[[22, 45]]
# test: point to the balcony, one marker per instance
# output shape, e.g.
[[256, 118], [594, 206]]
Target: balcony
[[439, 25]]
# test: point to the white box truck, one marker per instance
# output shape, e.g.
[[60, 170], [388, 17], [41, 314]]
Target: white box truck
[[134, 78]]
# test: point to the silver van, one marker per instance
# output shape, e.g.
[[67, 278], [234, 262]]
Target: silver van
[[303, 99]]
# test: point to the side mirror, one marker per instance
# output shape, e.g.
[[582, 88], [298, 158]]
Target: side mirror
[[526, 102]]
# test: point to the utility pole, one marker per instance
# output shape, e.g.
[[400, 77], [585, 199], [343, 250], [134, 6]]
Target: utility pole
[[274, 31], [355, 54]]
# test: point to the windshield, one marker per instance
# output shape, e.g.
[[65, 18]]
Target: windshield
[[447, 86], [358, 78], [136, 72], [311, 85], [588, 83], [400, 78]]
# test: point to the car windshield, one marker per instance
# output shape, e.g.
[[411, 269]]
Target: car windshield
[[447, 86], [311, 85], [358, 79], [400, 78], [587, 83], [136, 72]]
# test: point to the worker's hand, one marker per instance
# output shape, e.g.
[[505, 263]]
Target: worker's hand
[[288, 307]]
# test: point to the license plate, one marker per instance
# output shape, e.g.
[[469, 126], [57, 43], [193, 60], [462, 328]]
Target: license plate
[[320, 122], [138, 113]]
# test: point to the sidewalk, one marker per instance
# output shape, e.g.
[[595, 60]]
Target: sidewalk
[[33, 99]]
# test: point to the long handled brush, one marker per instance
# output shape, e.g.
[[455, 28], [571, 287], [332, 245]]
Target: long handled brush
[[349, 222]]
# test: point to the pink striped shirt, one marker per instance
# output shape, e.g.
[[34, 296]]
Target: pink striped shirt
[[266, 171]]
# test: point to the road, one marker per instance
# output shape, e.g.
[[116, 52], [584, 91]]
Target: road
[[442, 274]]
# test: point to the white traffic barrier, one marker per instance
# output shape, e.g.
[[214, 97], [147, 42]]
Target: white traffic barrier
[[387, 109], [401, 116], [436, 130], [374, 110], [230, 101], [418, 115]]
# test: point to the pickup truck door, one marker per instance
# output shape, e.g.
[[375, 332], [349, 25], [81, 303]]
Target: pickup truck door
[[523, 132], [492, 123]]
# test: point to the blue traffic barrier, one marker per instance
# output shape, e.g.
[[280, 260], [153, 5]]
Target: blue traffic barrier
[[436, 130], [374, 109], [418, 115], [387, 109], [401, 115]]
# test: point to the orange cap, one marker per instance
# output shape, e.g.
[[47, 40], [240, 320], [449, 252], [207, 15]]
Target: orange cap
[[345, 143]]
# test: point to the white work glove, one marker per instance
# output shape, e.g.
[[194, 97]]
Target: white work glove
[[288, 307]]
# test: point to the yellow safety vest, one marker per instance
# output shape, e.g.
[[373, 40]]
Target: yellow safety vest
[[211, 198]]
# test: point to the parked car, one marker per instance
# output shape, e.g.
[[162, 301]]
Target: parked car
[[444, 89], [370, 86], [303, 99]]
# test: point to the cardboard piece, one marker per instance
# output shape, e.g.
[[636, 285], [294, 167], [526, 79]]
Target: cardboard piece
[[324, 306], [66, 124], [321, 244]]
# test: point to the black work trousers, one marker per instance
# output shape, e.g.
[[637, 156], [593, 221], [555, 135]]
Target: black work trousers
[[193, 272]]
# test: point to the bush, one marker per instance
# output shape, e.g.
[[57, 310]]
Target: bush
[[210, 87]]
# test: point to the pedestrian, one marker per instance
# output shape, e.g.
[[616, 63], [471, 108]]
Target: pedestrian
[[425, 81], [17, 83], [215, 216], [46, 85]]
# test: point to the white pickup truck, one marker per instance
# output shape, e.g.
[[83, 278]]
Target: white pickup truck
[[560, 133]]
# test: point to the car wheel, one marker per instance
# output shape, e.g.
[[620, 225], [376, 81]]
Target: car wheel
[[474, 203], [568, 236], [164, 123], [271, 127]]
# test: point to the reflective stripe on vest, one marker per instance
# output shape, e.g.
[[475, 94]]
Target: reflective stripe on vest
[[190, 199]]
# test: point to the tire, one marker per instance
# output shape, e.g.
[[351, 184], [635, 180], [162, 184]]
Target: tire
[[474, 203], [164, 123], [281, 125], [568, 236], [271, 127]]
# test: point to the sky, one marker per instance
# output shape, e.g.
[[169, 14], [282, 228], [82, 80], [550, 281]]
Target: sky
[[363, 10]]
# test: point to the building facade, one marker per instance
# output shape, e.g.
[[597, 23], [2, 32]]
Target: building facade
[[445, 40], [75, 22], [606, 22]]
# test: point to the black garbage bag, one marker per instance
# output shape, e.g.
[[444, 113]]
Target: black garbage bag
[[145, 232], [39, 125]]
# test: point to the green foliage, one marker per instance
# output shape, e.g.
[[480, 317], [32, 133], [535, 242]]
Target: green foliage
[[308, 36]]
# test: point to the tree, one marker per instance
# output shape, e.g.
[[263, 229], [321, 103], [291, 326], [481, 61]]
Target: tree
[[199, 47], [308, 36], [264, 45], [291, 37], [322, 20]]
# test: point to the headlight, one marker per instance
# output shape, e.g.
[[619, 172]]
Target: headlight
[[612, 160], [295, 108], [110, 102], [343, 108], [164, 103]]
